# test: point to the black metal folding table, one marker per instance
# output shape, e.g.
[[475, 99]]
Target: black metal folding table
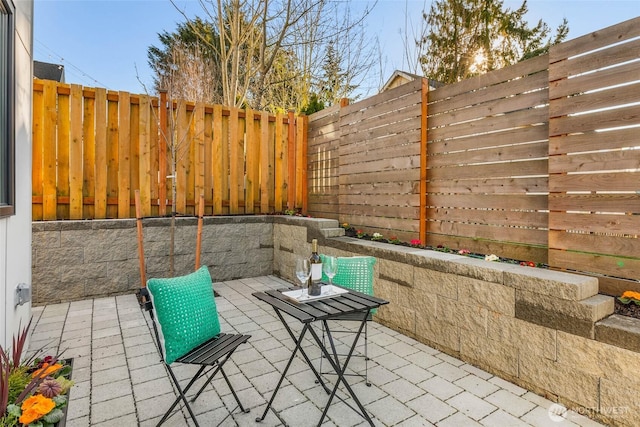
[[322, 310]]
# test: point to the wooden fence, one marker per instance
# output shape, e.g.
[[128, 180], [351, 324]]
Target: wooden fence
[[537, 162], [93, 148], [594, 155]]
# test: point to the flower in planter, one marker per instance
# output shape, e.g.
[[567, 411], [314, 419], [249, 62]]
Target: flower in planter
[[344, 225], [630, 297], [464, 252], [376, 236], [528, 264], [491, 257], [394, 240], [416, 242], [360, 234], [29, 393]]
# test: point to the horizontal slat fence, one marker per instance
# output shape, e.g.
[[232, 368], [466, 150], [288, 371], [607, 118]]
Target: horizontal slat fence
[[538, 162], [93, 148], [487, 167], [364, 162], [594, 156]]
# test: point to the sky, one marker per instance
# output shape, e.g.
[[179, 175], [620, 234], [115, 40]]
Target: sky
[[104, 43]]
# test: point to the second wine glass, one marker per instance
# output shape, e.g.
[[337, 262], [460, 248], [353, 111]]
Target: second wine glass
[[330, 268], [303, 272]]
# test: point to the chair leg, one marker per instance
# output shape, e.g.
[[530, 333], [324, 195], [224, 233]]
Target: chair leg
[[181, 396], [366, 356], [220, 369], [224, 375]]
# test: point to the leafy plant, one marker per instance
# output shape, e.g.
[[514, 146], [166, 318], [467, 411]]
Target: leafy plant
[[29, 393], [630, 297]]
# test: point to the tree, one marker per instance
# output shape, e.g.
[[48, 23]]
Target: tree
[[256, 37], [186, 66], [464, 38]]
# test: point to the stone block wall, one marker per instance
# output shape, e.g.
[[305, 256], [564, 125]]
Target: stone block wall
[[547, 331], [83, 259]]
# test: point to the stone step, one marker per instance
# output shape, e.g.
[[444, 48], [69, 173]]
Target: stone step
[[332, 232]]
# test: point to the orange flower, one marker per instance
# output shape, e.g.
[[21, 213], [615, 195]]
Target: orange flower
[[631, 295], [46, 370], [35, 407]]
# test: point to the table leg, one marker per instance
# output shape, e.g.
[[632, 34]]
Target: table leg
[[340, 370], [298, 342], [302, 352]]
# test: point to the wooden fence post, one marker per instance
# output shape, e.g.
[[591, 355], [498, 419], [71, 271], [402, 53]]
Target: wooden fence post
[[423, 162]]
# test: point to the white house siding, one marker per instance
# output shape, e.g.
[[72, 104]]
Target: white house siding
[[15, 231]]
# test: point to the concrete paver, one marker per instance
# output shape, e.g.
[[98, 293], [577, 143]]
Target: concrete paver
[[121, 381]]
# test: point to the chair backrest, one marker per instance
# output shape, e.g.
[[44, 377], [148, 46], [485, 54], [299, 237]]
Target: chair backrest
[[354, 273]]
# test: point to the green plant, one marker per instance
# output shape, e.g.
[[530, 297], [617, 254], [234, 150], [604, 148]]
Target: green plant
[[31, 390], [630, 297]]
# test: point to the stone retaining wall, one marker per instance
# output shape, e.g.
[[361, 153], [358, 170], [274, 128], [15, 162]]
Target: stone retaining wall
[[83, 259], [547, 331]]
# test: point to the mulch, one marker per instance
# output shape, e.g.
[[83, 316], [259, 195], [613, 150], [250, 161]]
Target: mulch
[[631, 309]]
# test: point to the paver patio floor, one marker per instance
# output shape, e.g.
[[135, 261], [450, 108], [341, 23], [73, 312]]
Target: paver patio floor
[[120, 381]]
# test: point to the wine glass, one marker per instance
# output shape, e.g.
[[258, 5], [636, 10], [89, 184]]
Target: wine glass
[[303, 272], [330, 268]]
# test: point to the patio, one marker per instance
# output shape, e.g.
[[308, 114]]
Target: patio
[[120, 380]]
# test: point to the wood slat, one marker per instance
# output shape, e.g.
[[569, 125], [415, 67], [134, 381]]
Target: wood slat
[[252, 163], [615, 54], [280, 164], [144, 153], [124, 149], [501, 217], [76, 154], [617, 266], [595, 223], [626, 116], [531, 133], [617, 203], [491, 185], [610, 98], [49, 203], [595, 40], [530, 236], [594, 243], [606, 78], [496, 170], [494, 124], [496, 201], [199, 153], [219, 172], [266, 163], [596, 162], [37, 159], [592, 141], [623, 181], [89, 155], [62, 152], [531, 90]]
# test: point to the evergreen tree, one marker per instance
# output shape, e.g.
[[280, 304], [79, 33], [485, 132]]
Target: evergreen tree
[[464, 38]]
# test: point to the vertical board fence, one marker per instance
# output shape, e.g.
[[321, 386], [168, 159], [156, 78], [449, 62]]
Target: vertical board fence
[[594, 155], [538, 162], [93, 148]]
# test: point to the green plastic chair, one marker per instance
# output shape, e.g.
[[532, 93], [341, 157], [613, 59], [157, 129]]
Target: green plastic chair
[[354, 273]]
